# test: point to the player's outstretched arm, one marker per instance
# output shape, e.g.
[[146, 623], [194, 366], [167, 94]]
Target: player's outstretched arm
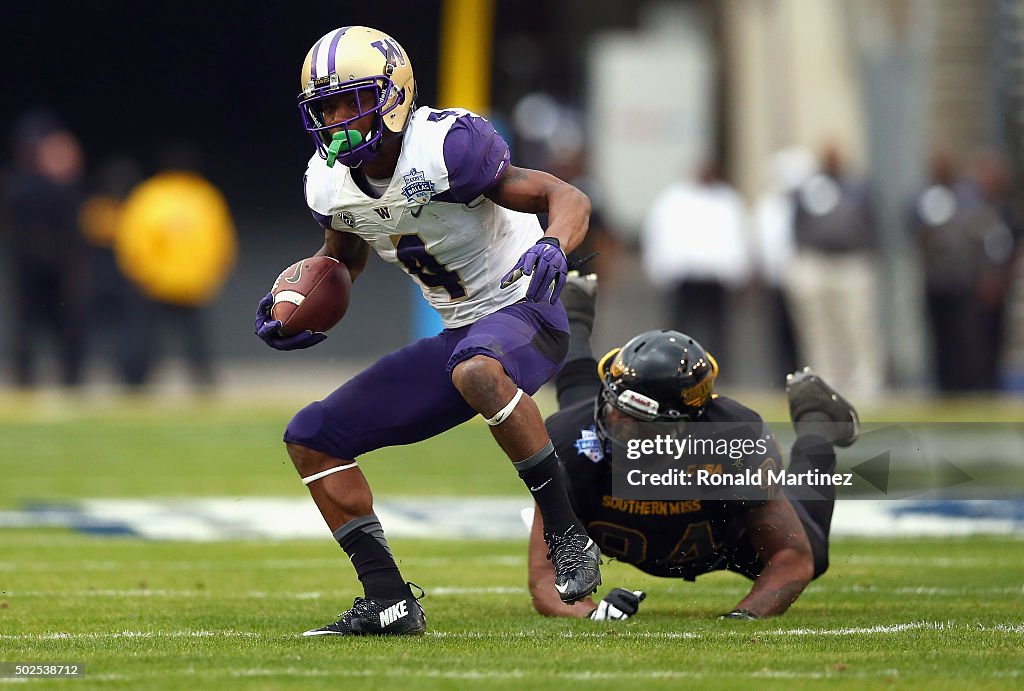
[[780, 540], [349, 249], [537, 192]]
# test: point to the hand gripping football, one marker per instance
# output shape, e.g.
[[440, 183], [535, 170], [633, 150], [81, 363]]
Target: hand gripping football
[[311, 294]]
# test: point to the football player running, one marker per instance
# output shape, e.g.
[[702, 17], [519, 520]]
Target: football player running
[[779, 539], [433, 192]]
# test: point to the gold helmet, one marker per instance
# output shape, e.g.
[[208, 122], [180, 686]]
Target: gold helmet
[[356, 59]]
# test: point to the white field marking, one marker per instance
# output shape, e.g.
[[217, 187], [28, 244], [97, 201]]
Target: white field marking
[[496, 560], [534, 635], [134, 592], [920, 590], [63, 565], [251, 594], [484, 635], [474, 674], [298, 564], [458, 590], [931, 562], [898, 628], [670, 635], [115, 635]]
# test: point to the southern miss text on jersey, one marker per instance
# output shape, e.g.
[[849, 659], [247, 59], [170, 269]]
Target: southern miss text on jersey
[[433, 220], [680, 539]]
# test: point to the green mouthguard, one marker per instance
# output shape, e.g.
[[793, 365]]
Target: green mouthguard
[[342, 142]]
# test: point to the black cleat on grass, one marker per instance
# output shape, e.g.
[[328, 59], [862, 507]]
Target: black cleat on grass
[[576, 559], [402, 617], [808, 393]]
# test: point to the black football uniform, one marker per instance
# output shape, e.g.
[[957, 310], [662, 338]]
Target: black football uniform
[[682, 538]]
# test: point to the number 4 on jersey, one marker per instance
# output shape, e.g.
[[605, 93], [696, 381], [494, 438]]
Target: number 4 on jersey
[[424, 266]]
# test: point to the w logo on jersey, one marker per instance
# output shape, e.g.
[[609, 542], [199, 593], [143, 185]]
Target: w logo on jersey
[[418, 190], [589, 445]]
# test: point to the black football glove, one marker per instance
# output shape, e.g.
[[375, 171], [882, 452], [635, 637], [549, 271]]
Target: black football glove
[[618, 604]]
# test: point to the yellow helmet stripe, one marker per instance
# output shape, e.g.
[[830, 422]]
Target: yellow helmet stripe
[[603, 363]]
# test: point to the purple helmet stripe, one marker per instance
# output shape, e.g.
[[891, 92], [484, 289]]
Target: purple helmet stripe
[[312, 65], [334, 48]]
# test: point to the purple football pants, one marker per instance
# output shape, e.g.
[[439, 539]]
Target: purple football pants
[[408, 396]]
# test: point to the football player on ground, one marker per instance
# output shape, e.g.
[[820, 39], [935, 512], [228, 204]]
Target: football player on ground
[[780, 540], [433, 192]]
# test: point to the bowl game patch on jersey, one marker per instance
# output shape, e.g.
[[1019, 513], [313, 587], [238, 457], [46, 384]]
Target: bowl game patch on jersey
[[418, 190], [589, 445]]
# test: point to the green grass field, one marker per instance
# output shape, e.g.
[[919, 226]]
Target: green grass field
[[939, 612]]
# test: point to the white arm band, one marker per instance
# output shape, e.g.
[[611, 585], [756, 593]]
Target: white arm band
[[503, 414], [324, 473]]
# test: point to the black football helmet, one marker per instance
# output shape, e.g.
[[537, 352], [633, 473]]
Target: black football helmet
[[658, 376]]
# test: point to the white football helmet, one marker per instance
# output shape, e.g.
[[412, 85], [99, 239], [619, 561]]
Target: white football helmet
[[356, 58]]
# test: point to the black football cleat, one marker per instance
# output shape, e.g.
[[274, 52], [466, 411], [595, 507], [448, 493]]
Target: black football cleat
[[808, 393], [576, 559], [403, 617], [579, 296]]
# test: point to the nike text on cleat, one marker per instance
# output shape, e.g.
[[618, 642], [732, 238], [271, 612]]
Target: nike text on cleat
[[403, 617], [809, 393], [576, 560]]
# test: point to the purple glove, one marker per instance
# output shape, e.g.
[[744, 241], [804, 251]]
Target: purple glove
[[545, 262], [267, 330]]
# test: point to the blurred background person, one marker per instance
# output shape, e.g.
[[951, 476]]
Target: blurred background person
[[601, 239], [176, 243], [694, 247], [1012, 357], [832, 278], [110, 340], [773, 216], [943, 221], [1000, 229], [48, 279]]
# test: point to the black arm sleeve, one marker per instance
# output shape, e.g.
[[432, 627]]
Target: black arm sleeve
[[577, 381]]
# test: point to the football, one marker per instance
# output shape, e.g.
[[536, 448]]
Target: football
[[311, 294]]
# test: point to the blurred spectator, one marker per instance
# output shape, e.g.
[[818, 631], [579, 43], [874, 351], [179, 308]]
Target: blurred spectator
[[693, 245], [831, 284], [571, 166], [176, 243], [1012, 371], [1000, 228], [48, 279], [773, 218], [113, 295], [964, 246]]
